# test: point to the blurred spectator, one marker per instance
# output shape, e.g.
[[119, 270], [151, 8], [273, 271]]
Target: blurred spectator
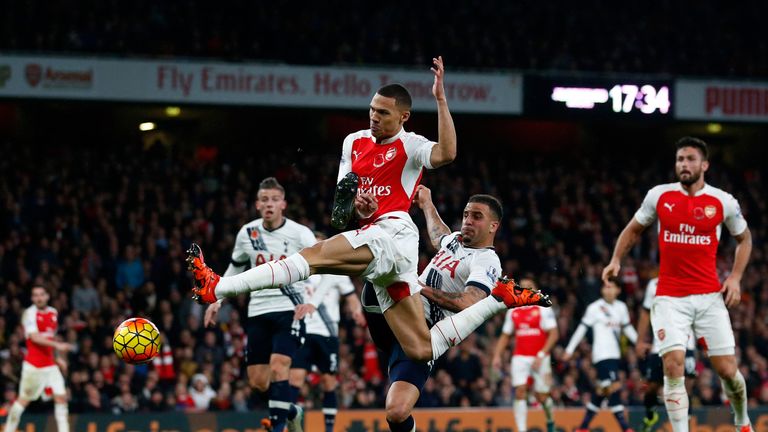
[[201, 392]]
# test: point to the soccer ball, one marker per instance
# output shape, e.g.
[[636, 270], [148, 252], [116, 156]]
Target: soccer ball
[[136, 341]]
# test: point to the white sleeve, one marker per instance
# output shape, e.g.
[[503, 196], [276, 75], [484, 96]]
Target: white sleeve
[[589, 317], [578, 335], [29, 321], [646, 214], [240, 257], [509, 326], [307, 237], [548, 320], [344, 285], [421, 150], [732, 216], [650, 293], [484, 272], [627, 328], [345, 165]]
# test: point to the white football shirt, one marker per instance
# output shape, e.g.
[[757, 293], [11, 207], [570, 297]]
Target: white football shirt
[[325, 292], [455, 267], [256, 245], [607, 321]]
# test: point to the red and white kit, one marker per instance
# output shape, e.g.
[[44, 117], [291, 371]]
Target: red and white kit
[[530, 325], [39, 369], [687, 295], [390, 170]]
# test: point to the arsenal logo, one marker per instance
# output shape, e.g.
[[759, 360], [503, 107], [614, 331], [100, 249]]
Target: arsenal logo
[[390, 154], [34, 73], [661, 334], [710, 211]]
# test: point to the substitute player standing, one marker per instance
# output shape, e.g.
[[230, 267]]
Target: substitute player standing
[[535, 330], [689, 297], [274, 335], [608, 318], [41, 367], [380, 170]]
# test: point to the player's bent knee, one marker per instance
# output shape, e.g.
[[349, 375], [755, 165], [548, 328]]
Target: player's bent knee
[[398, 412], [418, 353]]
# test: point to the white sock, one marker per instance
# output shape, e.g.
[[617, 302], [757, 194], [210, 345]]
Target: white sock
[[736, 390], [521, 414], [547, 406], [14, 415], [61, 413], [272, 274], [451, 330], [676, 401]]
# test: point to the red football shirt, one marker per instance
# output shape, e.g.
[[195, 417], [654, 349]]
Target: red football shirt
[[689, 233], [45, 322], [390, 170], [530, 325]]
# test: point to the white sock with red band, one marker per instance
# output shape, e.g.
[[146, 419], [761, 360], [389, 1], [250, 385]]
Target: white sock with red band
[[451, 330], [14, 415], [272, 274], [736, 390], [676, 401]]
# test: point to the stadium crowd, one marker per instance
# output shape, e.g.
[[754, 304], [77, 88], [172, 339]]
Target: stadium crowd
[[668, 37], [105, 231]]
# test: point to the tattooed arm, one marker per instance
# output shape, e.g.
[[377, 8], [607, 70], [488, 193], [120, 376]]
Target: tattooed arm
[[435, 225], [454, 301]]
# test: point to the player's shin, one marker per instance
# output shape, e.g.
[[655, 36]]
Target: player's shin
[[676, 401], [736, 390], [14, 416], [272, 274], [521, 414], [61, 413], [453, 329], [614, 401]]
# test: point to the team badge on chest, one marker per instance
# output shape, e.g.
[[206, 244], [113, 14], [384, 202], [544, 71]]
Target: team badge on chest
[[710, 211]]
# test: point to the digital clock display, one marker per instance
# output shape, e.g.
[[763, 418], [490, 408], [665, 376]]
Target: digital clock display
[[587, 97]]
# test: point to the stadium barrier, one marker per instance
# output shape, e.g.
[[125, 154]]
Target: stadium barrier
[[716, 419]]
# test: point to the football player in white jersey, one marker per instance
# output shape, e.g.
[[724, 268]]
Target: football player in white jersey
[[42, 367], [378, 175], [690, 296], [274, 335], [463, 272], [654, 369], [608, 318], [321, 314]]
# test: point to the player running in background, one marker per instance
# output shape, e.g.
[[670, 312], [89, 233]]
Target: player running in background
[[654, 370], [689, 298], [608, 318], [42, 367], [380, 170], [535, 330], [321, 314], [463, 272], [274, 335]]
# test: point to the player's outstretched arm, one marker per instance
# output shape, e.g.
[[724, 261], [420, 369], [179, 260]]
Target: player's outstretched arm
[[626, 240], [732, 285], [436, 228], [643, 324], [445, 150], [454, 301], [501, 344]]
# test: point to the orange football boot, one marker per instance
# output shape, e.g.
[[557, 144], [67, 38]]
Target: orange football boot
[[513, 295], [205, 278]]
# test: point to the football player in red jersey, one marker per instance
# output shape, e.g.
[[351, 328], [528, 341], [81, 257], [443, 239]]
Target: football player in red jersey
[[41, 367], [535, 330], [385, 162], [690, 297]]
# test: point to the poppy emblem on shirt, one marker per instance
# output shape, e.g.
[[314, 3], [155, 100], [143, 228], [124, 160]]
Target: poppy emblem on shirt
[[254, 234], [390, 154], [378, 161], [698, 213], [710, 211], [661, 334]]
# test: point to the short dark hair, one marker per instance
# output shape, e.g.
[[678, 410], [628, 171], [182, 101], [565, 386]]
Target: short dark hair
[[492, 202], [697, 143], [271, 183], [399, 93], [614, 280]]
